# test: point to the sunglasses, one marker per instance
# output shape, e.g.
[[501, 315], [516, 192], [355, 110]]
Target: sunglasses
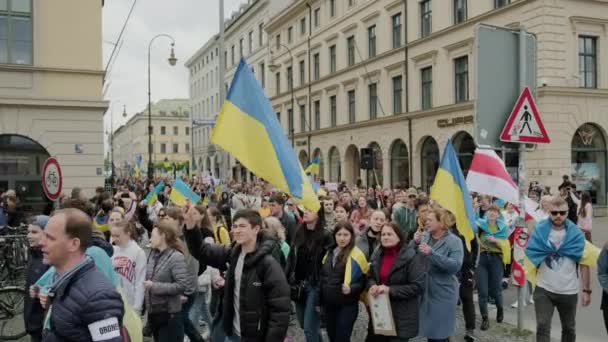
[[559, 212]]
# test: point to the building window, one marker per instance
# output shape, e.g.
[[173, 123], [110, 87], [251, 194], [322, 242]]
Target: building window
[[241, 48], [278, 42], [263, 74], [163, 148], [289, 78], [289, 34], [261, 35], [352, 114], [175, 148], [279, 117], [302, 73], [587, 61], [397, 94], [290, 120], [333, 110], [332, 8], [163, 130], [371, 41], [317, 17], [317, 114], [232, 52], [278, 83], [175, 130], [426, 75], [187, 148], [303, 26], [373, 100], [425, 18], [396, 19], [15, 32], [187, 130], [316, 71], [350, 43], [225, 58], [460, 11], [351, 3], [332, 59], [250, 42], [501, 3], [461, 79], [302, 118]]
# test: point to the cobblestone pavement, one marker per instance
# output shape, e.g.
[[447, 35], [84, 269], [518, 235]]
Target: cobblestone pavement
[[497, 333]]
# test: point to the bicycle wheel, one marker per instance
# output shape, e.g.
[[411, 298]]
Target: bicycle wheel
[[12, 326]]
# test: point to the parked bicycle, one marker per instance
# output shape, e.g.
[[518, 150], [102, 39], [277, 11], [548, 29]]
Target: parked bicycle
[[13, 255], [12, 325]]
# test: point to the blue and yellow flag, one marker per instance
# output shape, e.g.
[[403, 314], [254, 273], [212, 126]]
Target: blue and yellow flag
[[356, 265], [313, 168], [450, 191], [248, 128], [153, 195], [181, 193]]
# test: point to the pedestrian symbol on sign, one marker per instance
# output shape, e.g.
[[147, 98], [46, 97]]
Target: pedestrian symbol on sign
[[526, 117]]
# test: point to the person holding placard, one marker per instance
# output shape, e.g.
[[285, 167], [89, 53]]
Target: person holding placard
[[397, 276]]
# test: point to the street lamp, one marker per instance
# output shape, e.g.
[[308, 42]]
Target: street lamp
[[274, 67], [172, 60]]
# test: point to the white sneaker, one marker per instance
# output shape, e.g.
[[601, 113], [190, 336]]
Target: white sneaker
[[516, 305], [531, 301]]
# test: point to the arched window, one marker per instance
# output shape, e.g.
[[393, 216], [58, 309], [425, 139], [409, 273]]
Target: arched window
[[335, 170], [400, 165], [318, 153], [464, 145], [429, 161], [589, 162], [373, 180]]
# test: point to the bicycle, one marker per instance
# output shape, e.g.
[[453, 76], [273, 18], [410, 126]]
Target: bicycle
[[13, 255], [12, 325]]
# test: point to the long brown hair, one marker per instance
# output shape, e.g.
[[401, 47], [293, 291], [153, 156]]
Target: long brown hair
[[585, 198], [169, 229], [204, 223], [219, 218], [343, 256]]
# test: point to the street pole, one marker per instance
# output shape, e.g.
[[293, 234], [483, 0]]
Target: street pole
[[112, 175], [293, 110], [222, 79], [521, 173], [172, 62]]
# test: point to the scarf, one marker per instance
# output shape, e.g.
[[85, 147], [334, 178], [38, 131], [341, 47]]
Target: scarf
[[500, 236]]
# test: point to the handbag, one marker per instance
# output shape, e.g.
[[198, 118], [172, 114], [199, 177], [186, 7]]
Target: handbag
[[297, 292]]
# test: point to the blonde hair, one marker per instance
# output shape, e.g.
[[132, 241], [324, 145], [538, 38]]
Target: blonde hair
[[447, 218], [547, 199], [439, 215], [273, 225]]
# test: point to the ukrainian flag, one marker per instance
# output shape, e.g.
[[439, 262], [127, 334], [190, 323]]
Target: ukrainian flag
[[181, 193], [356, 266], [450, 191], [247, 127], [153, 195], [313, 168]]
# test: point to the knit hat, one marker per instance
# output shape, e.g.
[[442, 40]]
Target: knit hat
[[41, 221]]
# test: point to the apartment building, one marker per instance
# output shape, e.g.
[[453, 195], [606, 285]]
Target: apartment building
[[51, 74], [397, 77], [171, 140]]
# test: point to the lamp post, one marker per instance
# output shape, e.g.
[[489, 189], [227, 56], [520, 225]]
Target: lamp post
[[172, 60], [274, 67]]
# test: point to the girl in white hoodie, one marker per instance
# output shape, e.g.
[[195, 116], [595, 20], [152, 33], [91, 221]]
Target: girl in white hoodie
[[129, 262]]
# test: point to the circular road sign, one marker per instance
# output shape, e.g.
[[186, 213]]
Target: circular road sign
[[52, 181]]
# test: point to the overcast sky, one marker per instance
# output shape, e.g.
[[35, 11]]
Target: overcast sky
[[190, 22]]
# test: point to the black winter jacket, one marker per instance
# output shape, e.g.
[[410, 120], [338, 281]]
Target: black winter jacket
[[264, 301], [406, 283], [33, 313], [330, 285], [305, 259], [85, 300], [466, 275]]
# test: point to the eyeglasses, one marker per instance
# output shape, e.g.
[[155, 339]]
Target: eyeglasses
[[559, 212]]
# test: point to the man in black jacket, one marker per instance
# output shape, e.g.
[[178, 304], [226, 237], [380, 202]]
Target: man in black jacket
[[84, 305], [277, 209], [256, 294], [33, 313]]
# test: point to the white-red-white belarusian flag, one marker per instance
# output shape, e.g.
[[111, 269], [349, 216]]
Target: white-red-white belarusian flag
[[488, 175]]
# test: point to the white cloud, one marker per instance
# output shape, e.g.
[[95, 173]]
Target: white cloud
[[190, 22]]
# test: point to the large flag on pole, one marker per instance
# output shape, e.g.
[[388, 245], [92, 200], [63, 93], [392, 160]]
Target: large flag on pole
[[313, 167], [450, 191], [248, 128], [181, 193]]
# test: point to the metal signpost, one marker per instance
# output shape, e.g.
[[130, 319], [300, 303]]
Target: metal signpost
[[52, 179]]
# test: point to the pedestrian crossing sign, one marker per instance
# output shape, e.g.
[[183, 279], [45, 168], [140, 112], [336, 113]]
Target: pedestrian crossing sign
[[524, 124]]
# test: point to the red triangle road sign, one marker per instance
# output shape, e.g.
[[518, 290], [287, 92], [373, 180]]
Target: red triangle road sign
[[524, 124]]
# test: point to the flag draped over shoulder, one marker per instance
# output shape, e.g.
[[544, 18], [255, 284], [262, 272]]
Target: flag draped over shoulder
[[248, 128], [357, 266], [574, 246], [153, 195], [450, 191], [181, 193], [313, 167]]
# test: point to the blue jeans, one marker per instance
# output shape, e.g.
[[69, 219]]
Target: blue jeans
[[489, 276], [232, 339], [167, 327], [340, 321], [200, 308], [189, 327], [308, 317]]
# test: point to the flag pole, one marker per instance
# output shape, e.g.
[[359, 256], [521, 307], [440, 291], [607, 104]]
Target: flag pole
[[521, 176]]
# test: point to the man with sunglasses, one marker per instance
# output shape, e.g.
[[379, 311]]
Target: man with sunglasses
[[556, 249]]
